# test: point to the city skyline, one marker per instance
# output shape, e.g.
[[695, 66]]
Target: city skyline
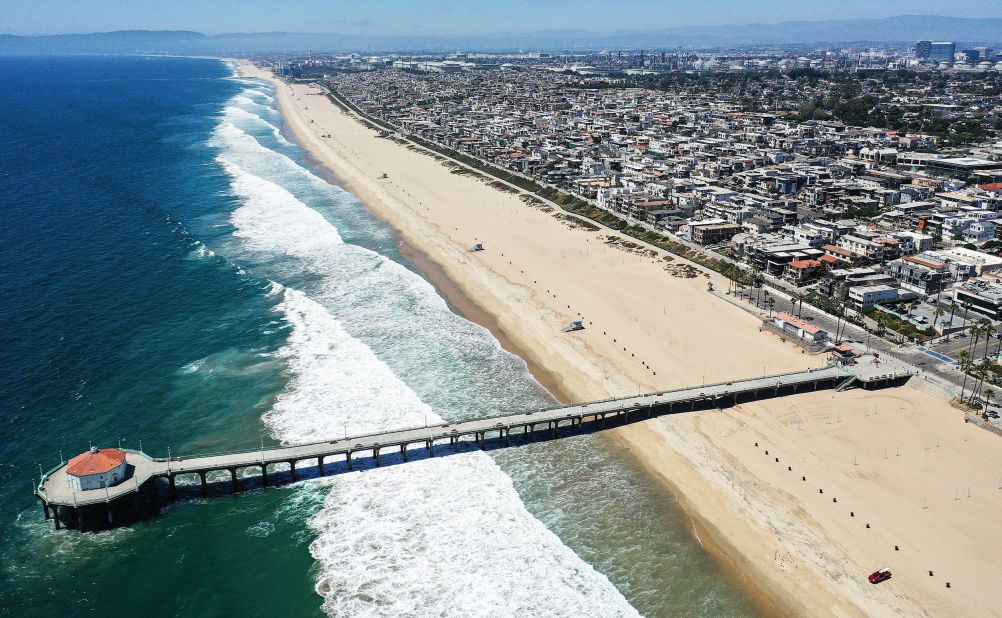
[[449, 18]]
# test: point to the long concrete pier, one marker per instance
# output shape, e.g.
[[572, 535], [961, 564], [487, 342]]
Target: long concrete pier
[[55, 492]]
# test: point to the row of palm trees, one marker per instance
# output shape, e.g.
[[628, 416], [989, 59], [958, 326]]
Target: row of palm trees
[[740, 279], [953, 311], [980, 370]]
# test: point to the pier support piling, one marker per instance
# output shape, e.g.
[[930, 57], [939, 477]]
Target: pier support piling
[[599, 415]]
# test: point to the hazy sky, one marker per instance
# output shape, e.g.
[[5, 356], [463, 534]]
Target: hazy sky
[[445, 16]]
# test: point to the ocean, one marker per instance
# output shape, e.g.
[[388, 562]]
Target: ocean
[[175, 271]]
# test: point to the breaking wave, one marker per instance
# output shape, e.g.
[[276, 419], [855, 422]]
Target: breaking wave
[[373, 347]]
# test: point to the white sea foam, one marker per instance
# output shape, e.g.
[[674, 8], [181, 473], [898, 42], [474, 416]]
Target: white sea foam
[[270, 218], [445, 536], [254, 87], [336, 383], [390, 540], [245, 100], [243, 149], [235, 115]]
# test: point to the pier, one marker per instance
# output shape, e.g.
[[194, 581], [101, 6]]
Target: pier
[[64, 505]]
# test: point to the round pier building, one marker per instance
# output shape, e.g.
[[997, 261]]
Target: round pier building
[[96, 469]]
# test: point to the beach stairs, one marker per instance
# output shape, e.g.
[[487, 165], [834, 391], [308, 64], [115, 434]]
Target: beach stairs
[[845, 384]]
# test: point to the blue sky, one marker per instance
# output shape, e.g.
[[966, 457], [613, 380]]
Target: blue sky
[[442, 17]]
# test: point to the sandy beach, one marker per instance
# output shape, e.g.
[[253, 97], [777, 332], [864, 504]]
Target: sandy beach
[[906, 483]]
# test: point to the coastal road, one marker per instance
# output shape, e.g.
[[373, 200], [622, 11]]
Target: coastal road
[[944, 378]]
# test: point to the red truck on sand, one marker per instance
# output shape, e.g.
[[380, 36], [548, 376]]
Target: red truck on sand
[[880, 576]]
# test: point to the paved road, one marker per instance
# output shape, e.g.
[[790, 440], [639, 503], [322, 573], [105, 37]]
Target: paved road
[[933, 370]]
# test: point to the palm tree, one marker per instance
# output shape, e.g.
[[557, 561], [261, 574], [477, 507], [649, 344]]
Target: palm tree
[[989, 395], [965, 366], [982, 371], [975, 335], [953, 309], [840, 314], [988, 331], [976, 373], [772, 303], [739, 279], [795, 298], [936, 315], [757, 284]]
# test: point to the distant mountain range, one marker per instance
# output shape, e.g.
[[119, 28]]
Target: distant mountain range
[[901, 29]]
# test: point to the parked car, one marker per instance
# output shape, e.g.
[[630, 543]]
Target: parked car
[[880, 576]]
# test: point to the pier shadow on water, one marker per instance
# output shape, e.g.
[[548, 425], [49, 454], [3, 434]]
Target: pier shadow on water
[[158, 493]]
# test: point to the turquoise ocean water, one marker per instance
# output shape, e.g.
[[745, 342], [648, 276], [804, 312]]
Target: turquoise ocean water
[[173, 271]]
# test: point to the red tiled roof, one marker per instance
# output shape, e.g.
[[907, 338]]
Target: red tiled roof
[[992, 186], [90, 462], [830, 259], [795, 321], [804, 264]]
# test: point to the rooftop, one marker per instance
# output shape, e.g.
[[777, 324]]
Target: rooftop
[[95, 461]]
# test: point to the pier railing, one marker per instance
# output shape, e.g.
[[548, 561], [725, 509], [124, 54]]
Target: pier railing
[[54, 490]]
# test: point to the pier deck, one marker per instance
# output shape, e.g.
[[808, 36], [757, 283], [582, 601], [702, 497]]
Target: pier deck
[[54, 490]]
